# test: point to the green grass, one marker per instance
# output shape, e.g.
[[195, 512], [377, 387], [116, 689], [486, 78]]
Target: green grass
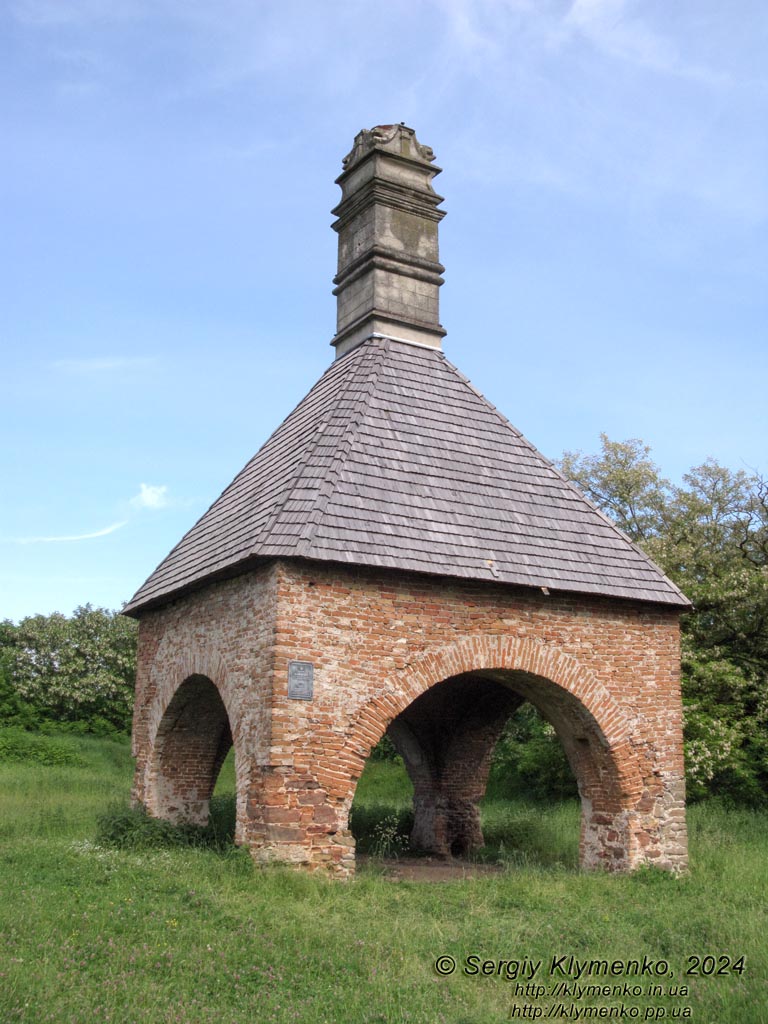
[[159, 934]]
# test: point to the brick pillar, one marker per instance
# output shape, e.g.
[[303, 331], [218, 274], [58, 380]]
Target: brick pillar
[[446, 739], [606, 837]]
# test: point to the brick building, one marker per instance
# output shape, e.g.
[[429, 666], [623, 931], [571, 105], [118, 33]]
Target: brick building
[[397, 557]]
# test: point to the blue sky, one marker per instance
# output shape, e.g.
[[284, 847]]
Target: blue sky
[[166, 254]]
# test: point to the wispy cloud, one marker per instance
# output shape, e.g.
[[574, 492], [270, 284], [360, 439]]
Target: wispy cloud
[[104, 364], [608, 101], [597, 99], [151, 496], [611, 27], [72, 537]]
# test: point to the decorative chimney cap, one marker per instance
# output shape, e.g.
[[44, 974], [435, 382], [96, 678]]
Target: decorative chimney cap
[[415, 471], [391, 138], [388, 271]]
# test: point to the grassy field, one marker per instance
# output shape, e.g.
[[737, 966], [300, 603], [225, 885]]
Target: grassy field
[[92, 933]]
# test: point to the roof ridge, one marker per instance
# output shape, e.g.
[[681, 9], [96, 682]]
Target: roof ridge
[[376, 354], [587, 501], [364, 368], [301, 465], [229, 486]]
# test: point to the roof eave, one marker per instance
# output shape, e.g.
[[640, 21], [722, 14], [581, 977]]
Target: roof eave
[[136, 608]]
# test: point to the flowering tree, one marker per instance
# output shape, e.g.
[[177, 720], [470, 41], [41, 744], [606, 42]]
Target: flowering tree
[[79, 669], [710, 535]]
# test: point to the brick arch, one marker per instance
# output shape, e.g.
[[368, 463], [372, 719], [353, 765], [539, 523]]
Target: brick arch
[[471, 654], [192, 662], [192, 722]]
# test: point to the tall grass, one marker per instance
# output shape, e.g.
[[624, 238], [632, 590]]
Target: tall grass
[[516, 832], [56, 786], [91, 932]]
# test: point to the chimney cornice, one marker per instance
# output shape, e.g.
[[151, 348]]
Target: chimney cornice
[[388, 270]]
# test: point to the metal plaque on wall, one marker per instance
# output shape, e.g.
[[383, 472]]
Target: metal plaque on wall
[[301, 676]]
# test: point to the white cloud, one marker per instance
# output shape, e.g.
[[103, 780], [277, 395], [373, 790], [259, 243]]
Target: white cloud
[[610, 26], [79, 536], [151, 496]]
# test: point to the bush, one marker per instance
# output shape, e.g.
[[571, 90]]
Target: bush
[[79, 671], [131, 828], [380, 829], [726, 731], [14, 710], [385, 751], [20, 747]]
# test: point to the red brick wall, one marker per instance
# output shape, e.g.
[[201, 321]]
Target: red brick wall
[[605, 673], [224, 633]]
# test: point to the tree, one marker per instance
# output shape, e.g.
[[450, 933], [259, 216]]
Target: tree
[[73, 670], [710, 536], [624, 482]]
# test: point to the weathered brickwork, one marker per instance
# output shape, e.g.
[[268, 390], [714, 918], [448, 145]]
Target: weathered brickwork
[[441, 664], [203, 683], [393, 459]]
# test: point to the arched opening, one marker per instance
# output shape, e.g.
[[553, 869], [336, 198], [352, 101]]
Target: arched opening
[[446, 738], [192, 742]]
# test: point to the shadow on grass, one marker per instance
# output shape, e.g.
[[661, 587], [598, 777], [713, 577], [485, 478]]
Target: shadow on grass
[[521, 833], [517, 833]]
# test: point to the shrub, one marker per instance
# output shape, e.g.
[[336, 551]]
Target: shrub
[[384, 750], [131, 828], [21, 747], [380, 830], [78, 671], [14, 710], [529, 760]]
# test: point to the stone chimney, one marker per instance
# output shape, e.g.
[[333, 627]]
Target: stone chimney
[[388, 270]]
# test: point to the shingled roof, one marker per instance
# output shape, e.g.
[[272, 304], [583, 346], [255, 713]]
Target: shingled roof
[[394, 460]]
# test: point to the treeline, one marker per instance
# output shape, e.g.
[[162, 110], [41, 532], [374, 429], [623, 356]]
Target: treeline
[[75, 673], [709, 534]]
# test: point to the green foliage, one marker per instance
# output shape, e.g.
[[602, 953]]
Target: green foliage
[[710, 536], [22, 747], [726, 730], [622, 481], [529, 761], [131, 828], [384, 750], [77, 673], [381, 829], [14, 710]]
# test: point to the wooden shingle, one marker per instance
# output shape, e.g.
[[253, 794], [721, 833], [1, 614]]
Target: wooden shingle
[[394, 460]]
